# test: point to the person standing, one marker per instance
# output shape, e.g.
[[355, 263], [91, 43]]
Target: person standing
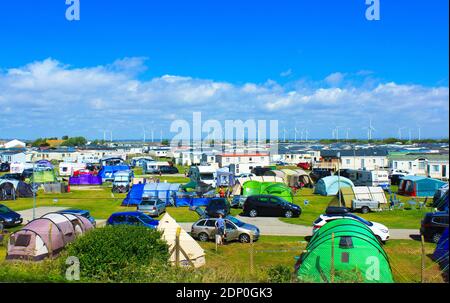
[[220, 228]]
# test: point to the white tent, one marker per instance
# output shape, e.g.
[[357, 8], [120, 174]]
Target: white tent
[[195, 254]]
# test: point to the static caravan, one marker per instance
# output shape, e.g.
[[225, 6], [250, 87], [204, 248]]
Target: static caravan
[[19, 167], [368, 177], [205, 174], [152, 167], [67, 169]]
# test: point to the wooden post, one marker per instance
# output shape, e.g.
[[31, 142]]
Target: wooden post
[[422, 270], [251, 255], [332, 259], [177, 247], [50, 248]]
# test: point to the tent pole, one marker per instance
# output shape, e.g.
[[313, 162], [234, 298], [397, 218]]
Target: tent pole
[[332, 259]]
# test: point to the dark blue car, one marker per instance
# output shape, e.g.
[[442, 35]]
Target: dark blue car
[[132, 218], [8, 217], [79, 212]]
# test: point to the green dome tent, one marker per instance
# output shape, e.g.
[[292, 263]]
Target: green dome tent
[[251, 188], [358, 255]]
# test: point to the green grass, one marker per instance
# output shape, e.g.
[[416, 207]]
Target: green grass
[[408, 218]]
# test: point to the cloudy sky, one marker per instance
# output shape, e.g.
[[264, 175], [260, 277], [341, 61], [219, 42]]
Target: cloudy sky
[[315, 66]]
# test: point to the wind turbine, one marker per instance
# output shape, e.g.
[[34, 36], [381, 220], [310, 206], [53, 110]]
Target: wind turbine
[[400, 132], [143, 129], [284, 134], [419, 133], [306, 134], [348, 129], [295, 134]]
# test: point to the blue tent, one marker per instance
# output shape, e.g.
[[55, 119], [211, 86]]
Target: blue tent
[[418, 186], [440, 255], [107, 172], [134, 196], [190, 199], [163, 191], [330, 185]]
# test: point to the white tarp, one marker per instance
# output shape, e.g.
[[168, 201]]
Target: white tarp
[[370, 193], [168, 226]]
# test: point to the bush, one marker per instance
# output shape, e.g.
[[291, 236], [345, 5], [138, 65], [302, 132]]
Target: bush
[[118, 253], [280, 274]]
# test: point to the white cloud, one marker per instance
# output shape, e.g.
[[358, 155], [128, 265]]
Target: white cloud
[[286, 73], [49, 97]]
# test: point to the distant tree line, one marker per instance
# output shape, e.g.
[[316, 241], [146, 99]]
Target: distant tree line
[[384, 141], [67, 141]]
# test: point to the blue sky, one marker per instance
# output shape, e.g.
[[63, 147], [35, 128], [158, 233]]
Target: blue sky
[[311, 64]]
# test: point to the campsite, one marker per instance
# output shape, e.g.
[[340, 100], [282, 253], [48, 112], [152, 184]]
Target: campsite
[[271, 258]]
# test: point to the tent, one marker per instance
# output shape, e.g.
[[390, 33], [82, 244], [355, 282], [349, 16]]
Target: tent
[[46, 236], [134, 196], [375, 193], [12, 189], [276, 173], [44, 164], [190, 199], [358, 255], [442, 203], [191, 252], [417, 186], [85, 180], [251, 188], [305, 178], [440, 254], [330, 185], [107, 172], [44, 176], [224, 178], [237, 188]]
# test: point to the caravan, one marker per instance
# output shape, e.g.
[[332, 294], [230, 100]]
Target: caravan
[[370, 178], [67, 169], [204, 174]]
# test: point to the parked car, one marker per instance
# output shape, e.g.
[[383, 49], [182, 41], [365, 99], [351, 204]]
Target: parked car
[[132, 218], [260, 171], [433, 225], [8, 217], [304, 165], [235, 230], [379, 230], [27, 173], [250, 175], [79, 212], [319, 173], [168, 170], [268, 205], [152, 206], [17, 177], [217, 206], [4, 167], [81, 172], [238, 201]]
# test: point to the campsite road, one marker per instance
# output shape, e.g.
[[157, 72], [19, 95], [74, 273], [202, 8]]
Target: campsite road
[[275, 227], [27, 214]]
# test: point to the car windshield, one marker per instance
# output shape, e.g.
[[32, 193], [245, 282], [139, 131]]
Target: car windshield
[[148, 202], [236, 221], [4, 209], [368, 223], [145, 219]]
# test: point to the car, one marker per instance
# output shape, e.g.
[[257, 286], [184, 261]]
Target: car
[[17, 177], [27, 173], [79, 212], [152, 206], [8, 217], [132, 218], [319, 173], [235, 230], [249, 175], [433, 225], [4, 167], [218, 206], [168, 169], [238, 201], [281, 163], [260, 171], [81, 172], [269, 205], [379, 230]]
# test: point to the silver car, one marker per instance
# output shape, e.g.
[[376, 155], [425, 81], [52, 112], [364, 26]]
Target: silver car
[[235, 230], [152, 206]]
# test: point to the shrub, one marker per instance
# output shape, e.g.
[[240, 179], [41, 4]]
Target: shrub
[[280, 274], [118, 253]]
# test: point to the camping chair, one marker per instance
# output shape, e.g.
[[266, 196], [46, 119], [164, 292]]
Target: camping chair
[[412, 204], [394, 202]]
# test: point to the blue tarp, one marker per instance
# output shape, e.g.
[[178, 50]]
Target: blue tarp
[[163, 191], [191, 201], [107, 172], [134, 196], [440, 255]]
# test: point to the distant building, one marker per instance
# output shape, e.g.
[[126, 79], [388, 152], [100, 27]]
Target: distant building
[[13, 144], [256, 159], [12, 157], [433, 165], [368, 159]]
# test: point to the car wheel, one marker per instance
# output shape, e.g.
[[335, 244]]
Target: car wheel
[[244, 238], [365, 210], [289, 214], [379, 240], [203, 237], [436, 237], [253, 213]]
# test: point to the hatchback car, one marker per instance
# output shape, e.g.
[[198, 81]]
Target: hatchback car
[[152, 206], [270, 206], [217, 206], [132, 218], [17, 177], [168, 170], [379, 230], [433, 225], [235, 230], [80, 212], [8, 217]]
